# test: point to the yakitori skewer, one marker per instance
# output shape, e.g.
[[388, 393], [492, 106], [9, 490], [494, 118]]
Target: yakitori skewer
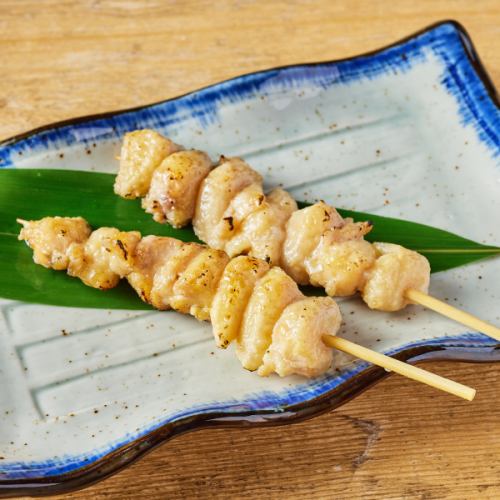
[[275, 327], [314, 245]]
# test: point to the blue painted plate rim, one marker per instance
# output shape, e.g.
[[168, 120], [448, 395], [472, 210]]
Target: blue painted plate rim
[[467, 347], [468, 49]]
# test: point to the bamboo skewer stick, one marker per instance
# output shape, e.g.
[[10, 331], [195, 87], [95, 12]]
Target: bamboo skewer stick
[[405, 369], [453, 313]]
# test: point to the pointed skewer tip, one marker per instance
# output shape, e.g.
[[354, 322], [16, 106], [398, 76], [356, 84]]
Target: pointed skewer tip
[[405, 369]]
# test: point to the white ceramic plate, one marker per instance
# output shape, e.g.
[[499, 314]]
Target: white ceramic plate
[[410, 131]]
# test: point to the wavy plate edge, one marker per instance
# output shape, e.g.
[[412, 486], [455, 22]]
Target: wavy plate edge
[[126, 454], [465, 39]]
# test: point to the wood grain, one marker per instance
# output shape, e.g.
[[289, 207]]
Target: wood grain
[[399, 440]]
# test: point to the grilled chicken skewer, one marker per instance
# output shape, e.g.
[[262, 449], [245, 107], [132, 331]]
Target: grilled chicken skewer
[[314, 245], [246, 300], [230, 212], [276, 328]]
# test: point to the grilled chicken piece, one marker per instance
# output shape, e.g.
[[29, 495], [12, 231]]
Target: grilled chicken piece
[[297, 346], [195, 288], [396, 270], [341, 259], [142, 152], [303, 233], [230, 212], [259, 236], [255, 224], [283, 204], [248, 200], [151, 255], [50, 237], [105, 258], [100, 258], [235, 288], [174, 186], [217, 190], [272, 293], [167, 274], [245, 300]]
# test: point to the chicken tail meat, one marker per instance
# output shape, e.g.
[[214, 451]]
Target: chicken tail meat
[[230, 211], [248, 301]]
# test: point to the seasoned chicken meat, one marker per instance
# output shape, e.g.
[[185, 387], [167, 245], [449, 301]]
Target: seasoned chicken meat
[[341, 259], [194, 289], [396, 270], [233, 293], [105, 258], [272, 293], [314, 245], [100, 258], [217, 190], [297, 346], [50, 238], [142, 152], [303, 232], [246, 301], [151, 254], [174, 186]]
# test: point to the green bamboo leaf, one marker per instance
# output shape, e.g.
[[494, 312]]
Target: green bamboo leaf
[[443, 249], [36, 193]]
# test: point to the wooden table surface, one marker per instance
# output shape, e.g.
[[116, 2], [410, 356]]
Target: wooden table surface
[[400, 439]]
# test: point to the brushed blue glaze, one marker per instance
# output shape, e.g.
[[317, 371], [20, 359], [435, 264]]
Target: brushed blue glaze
[[266, 400], [444, 41]]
